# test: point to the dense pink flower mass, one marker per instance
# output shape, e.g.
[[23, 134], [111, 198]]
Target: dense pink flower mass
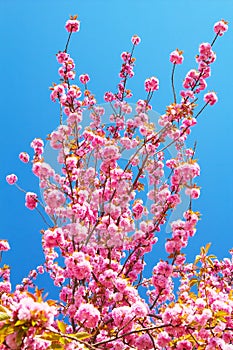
[[103, 210]]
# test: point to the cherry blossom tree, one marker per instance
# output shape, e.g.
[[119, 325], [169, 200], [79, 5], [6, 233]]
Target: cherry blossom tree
[[100, 223]]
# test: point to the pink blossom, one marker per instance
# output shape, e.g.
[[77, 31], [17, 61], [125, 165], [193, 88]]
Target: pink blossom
[[141, 108], [58, 92], [31, 200], [221, 27], [191, 79], [37, 143], [62, 56], [72, 25], [151, 84], [66, 71], [140, 309], [54, 198], [11, 341], [184, 344], [122, 315], [203, 317], [109, 97], [170, 246], [193, 192], [77, 266], [38, 146], [204, 68], [137, 209], [5, 287], [206, 53], [176, 57], [84, 78], [211, 98], [125, 56], [53, 238], [144, 342], [76, 231], [40, 312], [163, 339], [4, 245], [215, 342], [135, 40], [111, 152], [59, 135], [88, 315], [40, 269], [24, 157], [11, 179], [42, 170]]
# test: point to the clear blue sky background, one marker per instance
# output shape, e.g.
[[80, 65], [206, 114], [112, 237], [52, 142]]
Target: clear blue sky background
[[32, 32]]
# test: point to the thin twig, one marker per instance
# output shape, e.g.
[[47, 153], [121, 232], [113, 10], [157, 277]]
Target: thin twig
[[68, 40], [173, 85]]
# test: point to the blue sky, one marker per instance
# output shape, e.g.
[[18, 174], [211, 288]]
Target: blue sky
[[32, 32]]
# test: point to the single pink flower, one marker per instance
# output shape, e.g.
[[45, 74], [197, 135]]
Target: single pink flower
[[138, 209], [31, 200], [4, 245], [84, 78], [151, 84], [11, 179], [72, 25], [184, 344], [176, 57], [194, 192], [11, 341], [211, 98], [109, 96], [135, 40], [221, 27], [24, 157], [62, 56], [88, 315]]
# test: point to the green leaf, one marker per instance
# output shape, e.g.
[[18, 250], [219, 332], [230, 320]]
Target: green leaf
[[221, 313], [211, 256], [82, 335], [3, 309], [4, 316], [62, 326], [198, 257], [2, 338], [50, 336], [20, 322], [207, 247], [7, 329], [210, 262]]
